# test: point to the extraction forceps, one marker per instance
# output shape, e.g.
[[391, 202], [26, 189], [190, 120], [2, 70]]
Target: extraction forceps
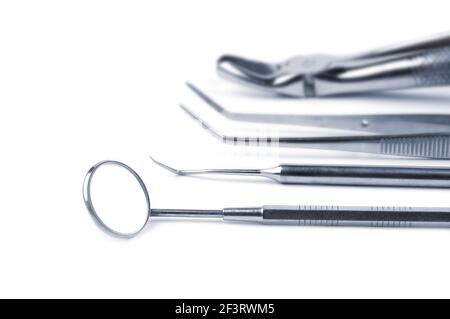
[[427, 145], [423, 63], [336, 174], [280, 214], [368, 123]]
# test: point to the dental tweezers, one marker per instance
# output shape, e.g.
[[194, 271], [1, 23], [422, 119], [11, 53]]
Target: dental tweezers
[[367, 123], [427, 145], [423, 63]]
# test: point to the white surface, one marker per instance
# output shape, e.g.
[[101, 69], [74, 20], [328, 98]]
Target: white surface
[[83, 81]]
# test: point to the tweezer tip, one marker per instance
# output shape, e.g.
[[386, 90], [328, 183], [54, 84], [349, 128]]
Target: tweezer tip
[[188, 111], [190, 85], [192, 114], [197, 91], [201, 122]]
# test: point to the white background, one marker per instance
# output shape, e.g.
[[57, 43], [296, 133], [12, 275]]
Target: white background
[[83, 81]]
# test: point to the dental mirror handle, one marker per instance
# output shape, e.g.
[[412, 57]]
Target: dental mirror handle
[[342, 216]]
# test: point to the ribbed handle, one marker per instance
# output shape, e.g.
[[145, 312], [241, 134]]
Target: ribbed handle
[[433, 67], [430, 146], [376, 216]]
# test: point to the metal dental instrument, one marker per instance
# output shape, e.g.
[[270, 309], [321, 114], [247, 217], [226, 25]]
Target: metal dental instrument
[[429, 145], [337, 175], [381, 124], [415, 64], [284, 215]]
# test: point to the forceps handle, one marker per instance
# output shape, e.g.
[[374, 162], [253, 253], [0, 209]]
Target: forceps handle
[[430, 67], [426, 43], [365, 175], [433, 67], [377, 216]]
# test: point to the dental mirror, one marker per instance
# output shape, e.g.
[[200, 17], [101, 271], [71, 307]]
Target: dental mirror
[[117, 199]]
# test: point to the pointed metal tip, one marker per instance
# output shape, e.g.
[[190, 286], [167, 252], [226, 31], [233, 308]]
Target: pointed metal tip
[[190, 113], [170, 169], [196, 90], [208, 100], [250, 172], [205, 125], [190, 85]]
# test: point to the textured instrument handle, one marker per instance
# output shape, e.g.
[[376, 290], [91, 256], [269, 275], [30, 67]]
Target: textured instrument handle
[[430, 146], [430, 67], [433, 67], [374, 216], [377, 216]]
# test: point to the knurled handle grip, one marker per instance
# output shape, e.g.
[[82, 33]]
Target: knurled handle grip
[[425, 68], [376, 216], [430, 146], [433, 67]]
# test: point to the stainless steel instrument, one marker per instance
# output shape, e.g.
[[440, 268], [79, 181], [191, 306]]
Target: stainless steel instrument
[[337, 174], [367, 123], [422, 63], [427, 145], [284, 215]]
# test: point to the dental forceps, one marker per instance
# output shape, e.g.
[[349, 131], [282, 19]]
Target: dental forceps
[[368, 123], [280, 214], [336, 174], [427, 145], [423, 63]]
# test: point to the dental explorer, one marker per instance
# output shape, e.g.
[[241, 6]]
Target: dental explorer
[[427, 145], [279, 214], [337, 175], [422, 63]]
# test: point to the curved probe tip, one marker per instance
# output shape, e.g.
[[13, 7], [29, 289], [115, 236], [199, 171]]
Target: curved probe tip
[[171, 169]]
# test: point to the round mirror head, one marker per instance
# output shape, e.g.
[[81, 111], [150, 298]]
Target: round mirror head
[[117, 199]]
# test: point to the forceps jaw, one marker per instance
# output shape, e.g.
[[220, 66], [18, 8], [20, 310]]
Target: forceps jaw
[[262, 76]]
